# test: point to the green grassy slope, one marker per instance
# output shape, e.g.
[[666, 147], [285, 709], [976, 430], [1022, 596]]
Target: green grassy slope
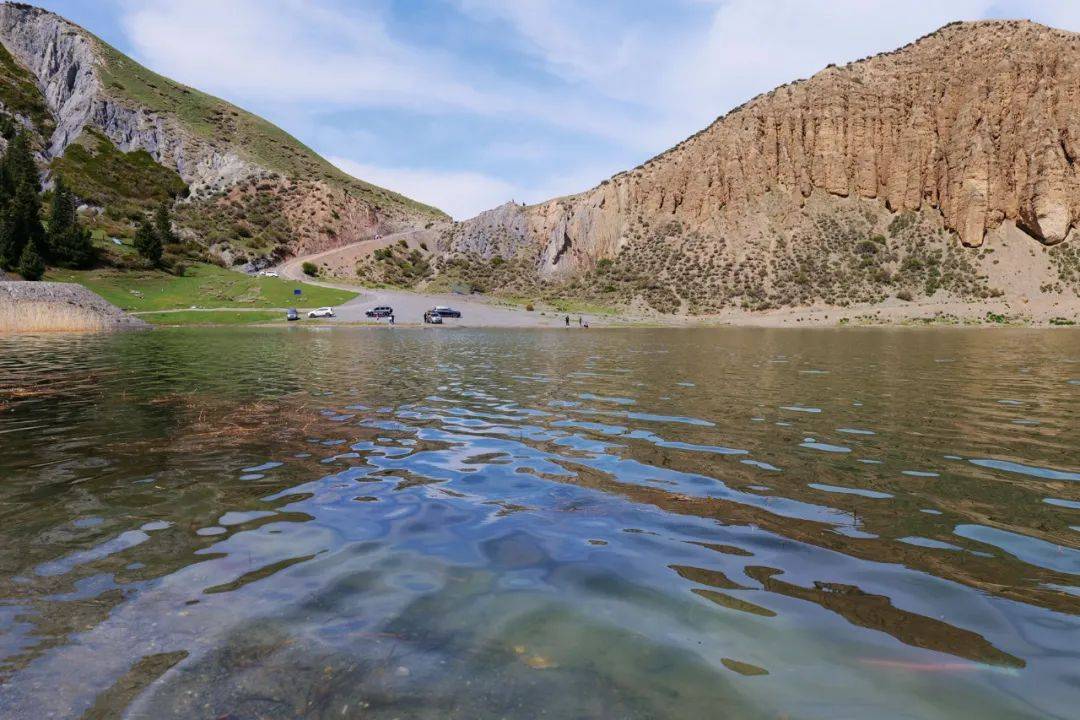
[[124, 182], [221, 122], [214, 317], [203, 286]]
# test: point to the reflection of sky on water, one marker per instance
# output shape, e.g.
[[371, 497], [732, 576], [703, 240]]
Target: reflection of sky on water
[[430, 521]]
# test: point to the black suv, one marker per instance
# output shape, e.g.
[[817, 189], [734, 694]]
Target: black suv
[[447, 311], [380, 312]]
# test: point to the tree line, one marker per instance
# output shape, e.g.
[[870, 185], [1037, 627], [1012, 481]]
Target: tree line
[[27, 244]]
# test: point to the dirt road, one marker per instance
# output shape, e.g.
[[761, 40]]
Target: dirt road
[[409, 307]]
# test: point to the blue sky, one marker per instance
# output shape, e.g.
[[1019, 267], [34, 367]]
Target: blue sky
[[466, 104]]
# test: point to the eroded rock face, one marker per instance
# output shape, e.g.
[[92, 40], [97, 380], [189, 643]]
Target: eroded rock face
[[65, 61], [77, 73], [980, 121]]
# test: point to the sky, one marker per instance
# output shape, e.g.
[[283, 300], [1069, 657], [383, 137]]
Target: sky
[[467, 104]]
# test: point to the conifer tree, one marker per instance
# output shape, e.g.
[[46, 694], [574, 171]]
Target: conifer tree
[[148, 243], [62, 212], [68, 244], [163, 224], [20, 204], [31, 264], [8, 255], [22, 225], [19, 165]]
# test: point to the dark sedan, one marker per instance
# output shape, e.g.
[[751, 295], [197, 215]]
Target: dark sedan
[[447, 312]]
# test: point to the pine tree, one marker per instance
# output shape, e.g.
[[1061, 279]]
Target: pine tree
[[8, 255], [22, 225], [68, 244], [75, 248], [19, 166], [163, 224], [148, 243], [61, 215], [20, 204], [31, 264]]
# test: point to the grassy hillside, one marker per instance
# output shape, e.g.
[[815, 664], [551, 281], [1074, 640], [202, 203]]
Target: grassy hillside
[[122, 182], [203, 286], [223, 123]]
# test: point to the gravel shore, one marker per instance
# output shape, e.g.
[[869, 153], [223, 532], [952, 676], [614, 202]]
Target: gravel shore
[[37, 307]]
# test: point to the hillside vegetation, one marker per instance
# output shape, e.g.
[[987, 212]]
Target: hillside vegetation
[[204, 286], [941, 172], [224, 124], [125, 139]]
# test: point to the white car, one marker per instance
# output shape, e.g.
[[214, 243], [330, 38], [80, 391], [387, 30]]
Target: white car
[[268, 273], [321, 312]]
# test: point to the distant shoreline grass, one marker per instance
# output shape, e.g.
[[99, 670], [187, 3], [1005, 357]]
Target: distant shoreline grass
[[202, 286], [213, 317]]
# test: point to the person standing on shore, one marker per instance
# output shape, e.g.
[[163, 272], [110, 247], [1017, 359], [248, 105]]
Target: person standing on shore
[[567, 321]]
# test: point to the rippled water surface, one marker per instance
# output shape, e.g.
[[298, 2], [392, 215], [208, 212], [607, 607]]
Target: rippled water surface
[[289, 523]]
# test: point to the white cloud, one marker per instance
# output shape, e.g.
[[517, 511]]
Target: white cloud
[[639, 77], [461, 194], [297, 52], [465, 194]]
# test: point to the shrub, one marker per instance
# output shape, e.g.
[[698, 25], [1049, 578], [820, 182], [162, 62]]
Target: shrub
[[904, 295], [310, 269]]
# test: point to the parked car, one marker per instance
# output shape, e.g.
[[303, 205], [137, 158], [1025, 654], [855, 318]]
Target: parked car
[[321, 312], [432, 317], [267, 273], [291, 314], [380, 312], [446, 311]]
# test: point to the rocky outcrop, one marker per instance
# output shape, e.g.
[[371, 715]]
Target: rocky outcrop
[[62, 59], [501, 231], [979, 122], [215, 147], [36, 307], [66, 61]]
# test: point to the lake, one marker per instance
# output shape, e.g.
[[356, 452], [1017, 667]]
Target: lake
[[670, 523]]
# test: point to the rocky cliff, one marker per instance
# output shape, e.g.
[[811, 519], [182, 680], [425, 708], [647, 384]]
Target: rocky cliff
[[968, 129], [212, 145]]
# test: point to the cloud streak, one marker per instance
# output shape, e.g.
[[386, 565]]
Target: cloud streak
[[565, 92]]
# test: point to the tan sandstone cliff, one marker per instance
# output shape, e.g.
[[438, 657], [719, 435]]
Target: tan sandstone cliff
[[977, 124]]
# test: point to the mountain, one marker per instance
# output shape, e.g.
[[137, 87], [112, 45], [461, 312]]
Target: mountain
[[945, 169], [124, 138]]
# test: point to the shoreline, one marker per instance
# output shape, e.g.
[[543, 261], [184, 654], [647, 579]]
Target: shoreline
[[53, 307], [68, 307]]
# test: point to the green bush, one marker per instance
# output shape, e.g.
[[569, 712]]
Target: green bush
[[310, 269]]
